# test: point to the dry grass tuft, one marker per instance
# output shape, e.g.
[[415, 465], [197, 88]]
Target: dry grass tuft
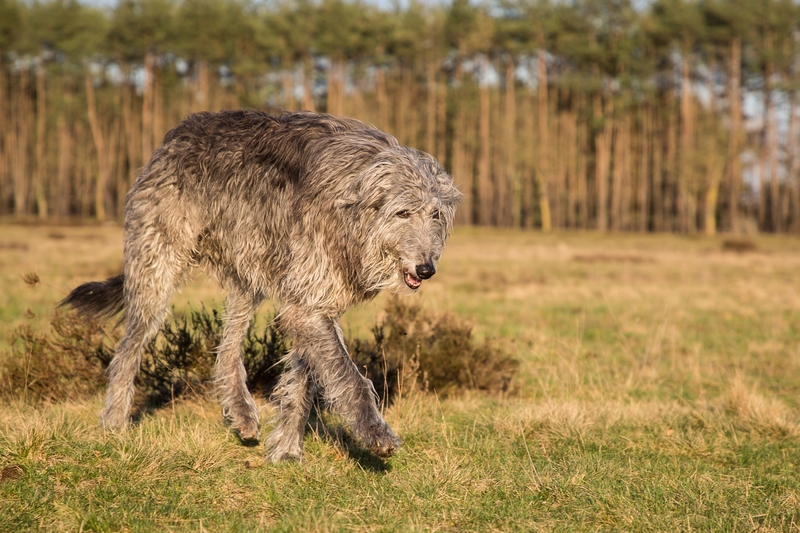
[[739, 245], [612, 258], [31, 279], [751, 411], [67, 363]]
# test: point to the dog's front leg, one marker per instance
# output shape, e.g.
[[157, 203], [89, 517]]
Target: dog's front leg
[[318, 341]]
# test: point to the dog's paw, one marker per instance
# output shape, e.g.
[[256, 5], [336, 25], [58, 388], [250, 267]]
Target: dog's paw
[[244, 423], [114, 419], [278, 455], [284, 446], [382, 441], [248, 433]]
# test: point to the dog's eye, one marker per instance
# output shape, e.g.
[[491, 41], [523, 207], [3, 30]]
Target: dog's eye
[[435, 214], [404, 213]]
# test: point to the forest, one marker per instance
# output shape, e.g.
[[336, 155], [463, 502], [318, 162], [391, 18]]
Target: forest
[[610, 115]]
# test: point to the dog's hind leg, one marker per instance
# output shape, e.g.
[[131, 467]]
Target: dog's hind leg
[[294, 396], [150, 281], [230, 377]]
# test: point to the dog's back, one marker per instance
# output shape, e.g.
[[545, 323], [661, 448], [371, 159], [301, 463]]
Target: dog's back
[[230, 187]]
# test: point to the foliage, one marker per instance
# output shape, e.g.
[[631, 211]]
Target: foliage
[[637, 124]]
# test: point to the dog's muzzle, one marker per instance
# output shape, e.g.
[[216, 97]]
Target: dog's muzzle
[[424, 271]]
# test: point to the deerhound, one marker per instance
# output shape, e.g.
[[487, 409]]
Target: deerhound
[[316, 211]]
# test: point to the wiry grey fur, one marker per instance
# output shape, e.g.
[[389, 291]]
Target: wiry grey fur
[[319, 212]]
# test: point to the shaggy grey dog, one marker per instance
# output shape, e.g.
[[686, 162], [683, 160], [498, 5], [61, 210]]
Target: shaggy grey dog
[[318, 212]]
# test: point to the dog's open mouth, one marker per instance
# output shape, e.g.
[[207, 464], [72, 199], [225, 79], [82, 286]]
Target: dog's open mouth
[[411, 280]]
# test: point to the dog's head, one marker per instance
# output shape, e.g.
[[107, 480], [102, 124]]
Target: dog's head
[[409, 203]]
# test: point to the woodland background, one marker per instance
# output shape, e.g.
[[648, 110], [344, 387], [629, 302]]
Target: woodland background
[[674, 115]]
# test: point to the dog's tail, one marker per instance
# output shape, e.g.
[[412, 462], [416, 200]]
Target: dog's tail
[[97, 300]]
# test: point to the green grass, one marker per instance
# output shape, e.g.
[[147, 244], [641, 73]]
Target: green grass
[[658, 391]]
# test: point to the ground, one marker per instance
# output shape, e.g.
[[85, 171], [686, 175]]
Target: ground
[[657, 391]]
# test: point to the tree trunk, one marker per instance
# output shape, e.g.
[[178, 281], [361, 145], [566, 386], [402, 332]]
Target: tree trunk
[[528, 161], [686, 180], [441, 123], [573, 160], [39, 185], [582, 162], [147, 106], [308, 83], [670, 163], [336, 86], [5, 122], [771, 152], [543, 174], [603, 113], [644, 168], [430, 115], [381, 97], [657, 187], [65, 146], [461, 173], [714, 167], [288, 87], [158, 107], [512, 201], [485, 191], [19, 145], [714, 175], [100, 147], [793, 179], [621, 193], [734, 140]]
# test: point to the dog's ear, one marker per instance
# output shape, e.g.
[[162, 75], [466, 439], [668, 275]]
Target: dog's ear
[[372, 198], [368, 191]]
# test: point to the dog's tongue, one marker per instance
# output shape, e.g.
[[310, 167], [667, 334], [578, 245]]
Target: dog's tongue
[[411, 280]]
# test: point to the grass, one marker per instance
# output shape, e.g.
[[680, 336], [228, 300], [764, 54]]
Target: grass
[[657, 391]]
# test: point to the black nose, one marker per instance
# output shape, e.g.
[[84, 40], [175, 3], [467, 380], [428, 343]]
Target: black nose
[[425, 271]]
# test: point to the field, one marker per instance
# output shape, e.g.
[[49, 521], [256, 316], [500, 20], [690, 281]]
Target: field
[[658, 390]]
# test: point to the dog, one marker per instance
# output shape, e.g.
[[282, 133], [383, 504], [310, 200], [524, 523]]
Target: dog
[[318, 212]]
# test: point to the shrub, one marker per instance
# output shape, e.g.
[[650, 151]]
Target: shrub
[[407, 350], [440, 349]]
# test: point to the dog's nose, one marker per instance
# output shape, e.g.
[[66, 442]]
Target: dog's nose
[[425, 270]]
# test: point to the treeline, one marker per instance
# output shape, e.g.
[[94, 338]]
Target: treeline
[[682, 116]]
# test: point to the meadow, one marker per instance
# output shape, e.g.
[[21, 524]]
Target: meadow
[[657, 391]]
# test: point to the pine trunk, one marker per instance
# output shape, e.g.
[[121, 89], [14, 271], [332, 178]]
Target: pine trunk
[[793, 180], [65, 145], [147, 106], [485, 191], [686, 180], [308, 83], [100, 148], [430, 115], [603, 113], [543, 174], [643, 189], [39, 185], [734, 140], [512, 205], [5, 186], [19, 145]]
